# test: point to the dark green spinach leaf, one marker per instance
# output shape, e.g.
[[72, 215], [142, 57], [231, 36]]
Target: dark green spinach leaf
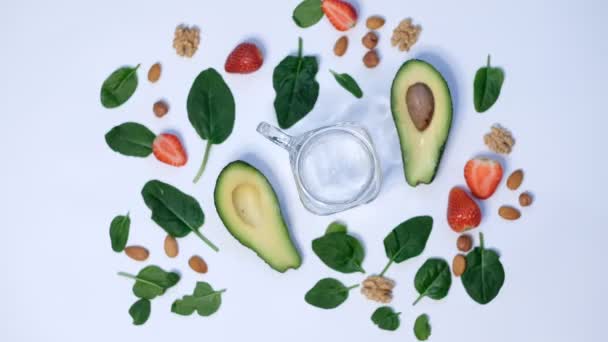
[[348, 83], [211, 111], [336, 227], [119, 232], [174, 211], [340, 251], [140, 311], [386, 318], [119, 87], [328, 293], [295, 86], [205, 301], [131, 139], [407, 240], [486, 87], [151, 281], [484, 275], [307, 13], [422, 328], [433, 279]]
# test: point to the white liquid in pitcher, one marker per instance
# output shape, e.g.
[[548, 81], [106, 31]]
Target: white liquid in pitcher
[[335, 167]]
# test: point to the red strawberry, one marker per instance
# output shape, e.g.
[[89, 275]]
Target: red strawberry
[[340, 13], [168, 149], [463, 212], [482, 176], [244, 59]]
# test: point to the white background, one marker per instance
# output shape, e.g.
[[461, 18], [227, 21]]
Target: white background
[[61, 185]]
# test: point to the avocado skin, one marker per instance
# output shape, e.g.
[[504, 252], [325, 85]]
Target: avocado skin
[[395, 113], [216, 195]]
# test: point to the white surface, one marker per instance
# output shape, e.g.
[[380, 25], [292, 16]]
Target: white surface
[[61, 185]]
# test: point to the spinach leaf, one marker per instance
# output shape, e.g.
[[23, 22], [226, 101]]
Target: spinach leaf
[[211, 110], [385, 318], [131, 139], [486, 87], [205, 301], [348, 83], [140, 311], [174, 211], [340, 252], [422, 328], [295, 86], [328, 293], [119, 87], [433, 279], [336, 227], [484, 275], [308, 13], [151, 281], [407, 240], [119, 232]]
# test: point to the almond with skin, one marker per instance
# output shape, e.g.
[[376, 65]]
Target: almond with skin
[[509, 213], [171, 247], [197, 264], [154, 73], [137, 253], [515, 180]]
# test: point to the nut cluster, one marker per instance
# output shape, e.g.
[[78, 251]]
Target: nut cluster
[[186, 40], [499, 140], [405, 35], [377, 288]]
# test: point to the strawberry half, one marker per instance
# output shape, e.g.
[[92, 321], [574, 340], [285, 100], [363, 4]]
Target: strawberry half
[[463, 212], [483, 176], [168, 149], [340, 13], [244, 59]]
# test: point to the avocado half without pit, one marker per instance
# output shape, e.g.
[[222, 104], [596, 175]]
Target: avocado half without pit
[[422, 110], [250, 210]]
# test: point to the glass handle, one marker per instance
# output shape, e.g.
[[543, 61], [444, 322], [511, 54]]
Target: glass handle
[[275, 135]]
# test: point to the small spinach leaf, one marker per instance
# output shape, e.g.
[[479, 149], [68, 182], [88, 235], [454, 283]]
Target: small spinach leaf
[[307, 13], [328, 293], [385, 318], [174, 211], [205, 301], [151, 281], [295, 86], [486, 87], [211, 111], [119, 87], [119, 232], [348, 83], [433, 279], [484, 275], [131, 139], [340, 252], [140, 311], [336, 227], [407, 240], [422, 328]]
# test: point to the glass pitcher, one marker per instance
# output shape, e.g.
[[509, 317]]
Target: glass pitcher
[[335, 167]]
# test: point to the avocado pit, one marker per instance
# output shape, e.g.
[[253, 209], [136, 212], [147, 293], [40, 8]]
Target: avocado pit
[[420, 105], [246, 202]]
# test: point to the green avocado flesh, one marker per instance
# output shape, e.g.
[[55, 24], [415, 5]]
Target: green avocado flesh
[[249, 208], [422, 144]]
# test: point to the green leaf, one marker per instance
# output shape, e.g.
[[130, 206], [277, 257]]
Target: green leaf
[[151, 281], [295, 86], [486, 87], [205, 301], [119, 232], [174, 211], [340, 251], [407, 240], [385, 318], [433, 279], [140, 311], [422, 328], [131, 139], [484, 275], [308, 13], [328, 293], [336, 227], [211, 110], [119, 87], [348, 83]]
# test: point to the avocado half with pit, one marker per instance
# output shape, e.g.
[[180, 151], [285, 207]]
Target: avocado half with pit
[[249, 208], [422, 110]]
